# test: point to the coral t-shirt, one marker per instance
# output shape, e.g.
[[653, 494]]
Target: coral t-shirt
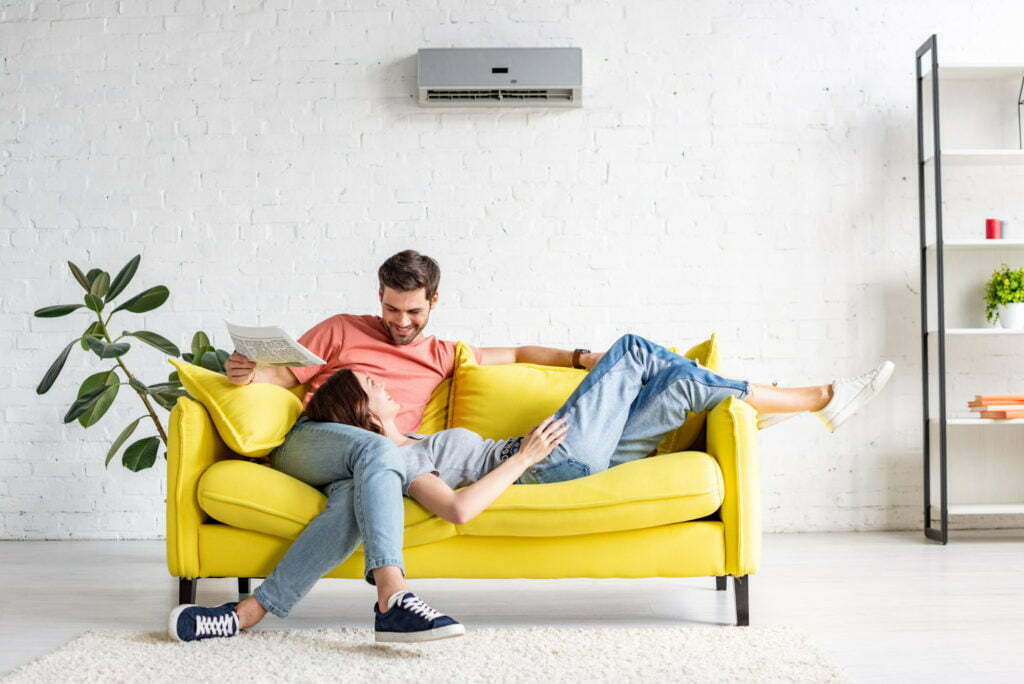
[[410, 372]]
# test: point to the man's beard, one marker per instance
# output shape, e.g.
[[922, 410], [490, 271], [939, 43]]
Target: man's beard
[[406, 339]]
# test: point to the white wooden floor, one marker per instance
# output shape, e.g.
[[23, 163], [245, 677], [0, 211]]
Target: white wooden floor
[[887, 606]]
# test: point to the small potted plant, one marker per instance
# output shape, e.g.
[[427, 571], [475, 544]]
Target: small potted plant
[[1004, 297]]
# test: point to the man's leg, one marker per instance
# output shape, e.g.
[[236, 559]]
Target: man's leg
[[598, 409]]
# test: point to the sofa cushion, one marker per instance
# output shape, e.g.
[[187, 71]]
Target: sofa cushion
[[251, 419], [254, 496], [653, 491], [507, 400]]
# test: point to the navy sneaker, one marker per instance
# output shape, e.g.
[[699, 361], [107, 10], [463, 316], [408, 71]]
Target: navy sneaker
[[189, 622], [410, 619]]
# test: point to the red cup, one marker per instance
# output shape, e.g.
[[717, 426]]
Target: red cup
[[993, 229]]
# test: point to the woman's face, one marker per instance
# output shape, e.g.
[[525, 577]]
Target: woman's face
[[380, 402]]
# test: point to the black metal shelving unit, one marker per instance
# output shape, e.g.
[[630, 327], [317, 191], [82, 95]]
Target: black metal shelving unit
[[940, 534]]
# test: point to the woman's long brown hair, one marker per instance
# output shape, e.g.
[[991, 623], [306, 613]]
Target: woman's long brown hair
[[343, 400]]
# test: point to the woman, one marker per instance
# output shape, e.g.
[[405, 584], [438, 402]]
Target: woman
[[638, 392]]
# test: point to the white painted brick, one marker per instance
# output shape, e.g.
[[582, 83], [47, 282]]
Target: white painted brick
[[266, 156]]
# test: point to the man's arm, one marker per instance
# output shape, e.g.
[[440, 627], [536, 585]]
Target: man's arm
[[240, 370], [544, 356]]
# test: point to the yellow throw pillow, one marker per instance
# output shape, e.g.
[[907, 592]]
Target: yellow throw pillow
[[251, 419], [435, 414], [508, 400]]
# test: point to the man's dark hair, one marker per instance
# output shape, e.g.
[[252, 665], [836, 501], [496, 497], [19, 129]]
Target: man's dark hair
[[409, 270]]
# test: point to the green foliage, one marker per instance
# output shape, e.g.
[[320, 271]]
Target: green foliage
[[97, 392], [1006, 286]]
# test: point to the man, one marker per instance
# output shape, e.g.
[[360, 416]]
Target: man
[[363, 472]]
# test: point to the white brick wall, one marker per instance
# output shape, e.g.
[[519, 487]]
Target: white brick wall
[[739, 167]]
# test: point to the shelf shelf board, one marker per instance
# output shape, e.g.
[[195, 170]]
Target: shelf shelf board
[[978, 509], [979, 157], [980, 243], [979, 331], [976, 72], [984, 421]]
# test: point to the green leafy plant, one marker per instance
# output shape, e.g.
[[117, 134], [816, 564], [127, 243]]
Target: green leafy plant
[[98, 391], [1006, 286]]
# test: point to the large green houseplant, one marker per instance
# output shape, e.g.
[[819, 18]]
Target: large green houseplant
[[98, 391]]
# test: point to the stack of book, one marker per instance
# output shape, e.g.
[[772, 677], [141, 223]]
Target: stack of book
[[997, 406]]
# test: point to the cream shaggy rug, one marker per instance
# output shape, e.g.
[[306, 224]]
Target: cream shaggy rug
[[533, 654]]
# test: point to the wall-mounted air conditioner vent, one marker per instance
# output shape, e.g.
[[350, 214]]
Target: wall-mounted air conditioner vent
[[500, 77]]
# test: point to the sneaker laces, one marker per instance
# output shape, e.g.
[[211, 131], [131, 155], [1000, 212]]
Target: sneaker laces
[[416, 605], [219, 625]]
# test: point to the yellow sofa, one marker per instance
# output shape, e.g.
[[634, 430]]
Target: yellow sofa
[[688, 513]]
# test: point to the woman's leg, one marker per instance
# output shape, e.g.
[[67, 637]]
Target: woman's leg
[[365, 474]]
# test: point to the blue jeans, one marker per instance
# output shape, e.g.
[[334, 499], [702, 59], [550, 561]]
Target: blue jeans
[[636, 394], [363, 476]]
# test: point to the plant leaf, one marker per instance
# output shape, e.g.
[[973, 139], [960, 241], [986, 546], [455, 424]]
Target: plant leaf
[[123, 277], [146, 300], [56, 310], [125, 434], [140, 454], [80, 405], [95, 329], [158, 341], [173, 377], [54, 370], [94, 302], [96, 410], [79, 276], [100, 284], [91, 276], [138, 385], [199, 343], [107, 351], [209, 361]]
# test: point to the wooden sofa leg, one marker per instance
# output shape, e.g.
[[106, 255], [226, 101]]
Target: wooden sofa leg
[[720, 582], [741, 587], [243, 588], [187, 590]]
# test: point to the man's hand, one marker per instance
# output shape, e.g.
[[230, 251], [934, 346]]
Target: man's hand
[[590, 360], [241, 369]]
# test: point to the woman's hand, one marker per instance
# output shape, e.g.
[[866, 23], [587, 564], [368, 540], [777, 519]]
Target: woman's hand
[[240, 369], [542, 440]]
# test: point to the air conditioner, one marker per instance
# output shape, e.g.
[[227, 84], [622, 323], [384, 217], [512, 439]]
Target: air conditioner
[[500, 77]]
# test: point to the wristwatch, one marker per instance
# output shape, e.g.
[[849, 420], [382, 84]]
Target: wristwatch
[[576, 357]]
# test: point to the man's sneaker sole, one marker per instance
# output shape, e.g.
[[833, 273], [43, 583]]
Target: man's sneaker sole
[[770, 419], [445, 632], [172, 621], [864, 396]]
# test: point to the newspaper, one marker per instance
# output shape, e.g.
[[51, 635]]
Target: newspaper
[[271, 346]]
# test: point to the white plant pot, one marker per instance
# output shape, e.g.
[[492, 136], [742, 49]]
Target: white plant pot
[[1011, 316]]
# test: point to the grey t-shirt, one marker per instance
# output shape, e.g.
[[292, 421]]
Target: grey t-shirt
[[458, 456]]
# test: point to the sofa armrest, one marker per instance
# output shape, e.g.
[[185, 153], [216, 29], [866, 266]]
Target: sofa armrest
[[732, 440], [193, 445]]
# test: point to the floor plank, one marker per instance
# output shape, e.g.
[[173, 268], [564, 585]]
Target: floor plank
[[887, 606]]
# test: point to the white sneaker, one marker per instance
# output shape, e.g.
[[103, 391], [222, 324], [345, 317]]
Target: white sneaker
[[849, 394], [765, 420]]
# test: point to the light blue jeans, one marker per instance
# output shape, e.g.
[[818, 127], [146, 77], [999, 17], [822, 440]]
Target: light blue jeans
[[363, 476], [636, 394]]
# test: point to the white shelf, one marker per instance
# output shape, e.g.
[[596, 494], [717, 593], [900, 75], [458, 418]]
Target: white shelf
[[979, 331], [979, 157], [980, 243], [983, 421], [977, 509], [977, 72]]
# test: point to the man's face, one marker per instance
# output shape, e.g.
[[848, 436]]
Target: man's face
[[405, 314]]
